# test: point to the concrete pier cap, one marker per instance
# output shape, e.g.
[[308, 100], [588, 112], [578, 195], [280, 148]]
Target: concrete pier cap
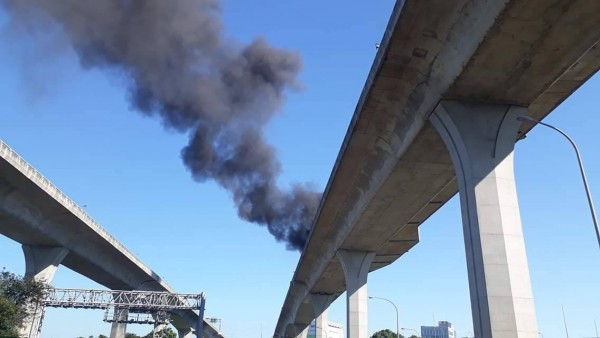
[[320, 303], [41, 263], [356, 265]]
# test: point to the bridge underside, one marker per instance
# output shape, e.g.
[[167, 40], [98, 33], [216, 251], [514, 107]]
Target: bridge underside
[[394, 170]]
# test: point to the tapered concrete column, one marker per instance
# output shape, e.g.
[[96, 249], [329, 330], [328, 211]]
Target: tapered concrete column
[[322, 324], [356, 266], [118, 329], [321, 309], [189, 333], [41, 263], [481, 138]]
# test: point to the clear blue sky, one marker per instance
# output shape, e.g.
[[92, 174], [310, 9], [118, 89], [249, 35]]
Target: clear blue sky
[[76, 127]]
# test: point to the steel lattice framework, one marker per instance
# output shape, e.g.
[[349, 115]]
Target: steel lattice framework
[[135, 300], [157, 317], [153, 306]]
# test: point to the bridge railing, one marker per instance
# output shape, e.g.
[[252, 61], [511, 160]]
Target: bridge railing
[[36, 177]]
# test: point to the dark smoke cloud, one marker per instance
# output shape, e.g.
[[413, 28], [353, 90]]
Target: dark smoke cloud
[[181, 68]]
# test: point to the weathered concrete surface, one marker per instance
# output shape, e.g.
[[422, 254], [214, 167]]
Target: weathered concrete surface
[[41, 262], [37, 214], [393, 170], [322, 324], [320, 304], [356, 266], [119, 329], [303, 331], [481, 139], [185, 333]]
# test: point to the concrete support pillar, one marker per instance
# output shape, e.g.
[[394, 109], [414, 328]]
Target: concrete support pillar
[[187, 333], [481, 138], [356, 266], [41, 263], [118, 329], [322, 325], [321, 309]]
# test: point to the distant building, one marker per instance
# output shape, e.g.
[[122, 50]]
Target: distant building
[[334, 330], [442, 330]]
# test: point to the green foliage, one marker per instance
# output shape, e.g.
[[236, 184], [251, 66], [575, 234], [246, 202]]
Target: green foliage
[[18, 297], [387, 333], [167, 333], [8, 317], [164, 333], [22, 291]]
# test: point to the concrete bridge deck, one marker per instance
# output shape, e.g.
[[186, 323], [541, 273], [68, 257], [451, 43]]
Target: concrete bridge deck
[[34, 212], [393, 170]]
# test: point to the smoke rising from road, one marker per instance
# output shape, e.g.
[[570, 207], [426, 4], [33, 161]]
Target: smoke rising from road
[[182, 68]]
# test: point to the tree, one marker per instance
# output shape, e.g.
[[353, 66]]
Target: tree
[[102, 336], [19, 298], [131, 335], [387, 333], [164, 333], [8, 317], [167, 333]]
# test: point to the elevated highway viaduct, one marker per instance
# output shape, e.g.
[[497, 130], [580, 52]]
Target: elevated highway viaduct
[[54, 230], [437, 116]]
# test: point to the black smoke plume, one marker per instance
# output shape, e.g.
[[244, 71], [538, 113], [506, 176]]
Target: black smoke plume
[[182, 68]]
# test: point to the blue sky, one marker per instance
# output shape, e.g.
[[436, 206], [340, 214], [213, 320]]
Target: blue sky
[[76, 127]]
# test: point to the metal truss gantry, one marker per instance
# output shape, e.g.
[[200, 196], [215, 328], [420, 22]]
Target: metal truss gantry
[[142, 307], [143, 300], [113, 315]]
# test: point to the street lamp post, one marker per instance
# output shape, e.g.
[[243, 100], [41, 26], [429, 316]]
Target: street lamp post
[[408, 329], [583, 177], [397, 316]]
